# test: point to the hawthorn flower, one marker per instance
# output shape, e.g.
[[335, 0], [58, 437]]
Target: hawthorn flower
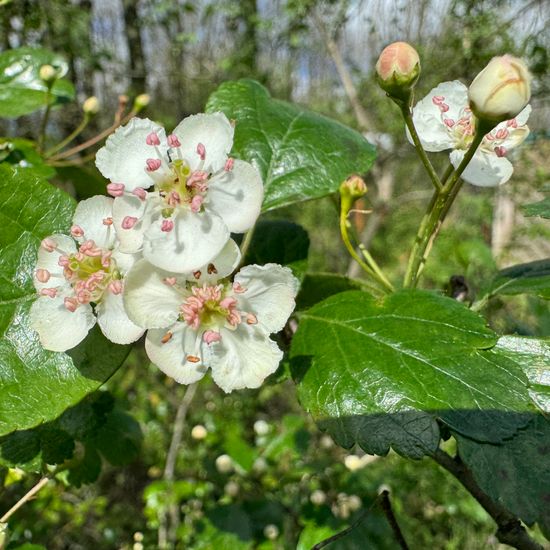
[[81, 278], [202, 320], [444, 120], [199, 194]]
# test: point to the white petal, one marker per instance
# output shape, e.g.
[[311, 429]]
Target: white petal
[[123, 158], [485, 169], [195, 240], [149, 301], [50, 261], [237, 196], [522, 118], [58, 328], [243, 358], [214, 131], [221, 266], [113, 321], [124, 261], [433, 133], [171, 357], [131, 240], [89, 215], [270, 293]]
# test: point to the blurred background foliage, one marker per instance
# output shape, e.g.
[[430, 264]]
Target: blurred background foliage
[[284, 485]]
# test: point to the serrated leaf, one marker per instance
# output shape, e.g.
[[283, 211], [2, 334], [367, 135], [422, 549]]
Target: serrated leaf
[[300, 154], [38, 385], [380, 373], [532, 355], [529, 278], [540, 209], [316, 287], [22, 91], [280, 242], [515, 473]]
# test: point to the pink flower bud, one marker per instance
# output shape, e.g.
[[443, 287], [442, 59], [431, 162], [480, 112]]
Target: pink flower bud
[[501, 90], [398, 69]]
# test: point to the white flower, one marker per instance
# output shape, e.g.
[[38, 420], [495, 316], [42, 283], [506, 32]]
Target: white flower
[[202, 321], [443, 120], [200, 194], [81, 277]]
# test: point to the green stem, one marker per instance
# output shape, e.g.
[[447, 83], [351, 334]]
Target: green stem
[[245, 244], [438, 208], [368, 269], [43, 124], [405, 110], [69, 138]]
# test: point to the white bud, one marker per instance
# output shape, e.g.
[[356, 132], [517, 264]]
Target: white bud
[[199, 432], [318, 497], [224, 464], [261, 427], [501, 90], [353, 463], [48, 74], [326, 442], [91, 106], [260, 465], [231, 489], [354, 503], [271, 531]]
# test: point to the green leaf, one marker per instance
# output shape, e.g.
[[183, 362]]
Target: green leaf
[[530, 278], [238, 448], [21, 89], [23, 153], [540, 209], [380, 373], [515, 473], [300, 154], [317, 286], [532, 355], [280, 242], [38, 385]]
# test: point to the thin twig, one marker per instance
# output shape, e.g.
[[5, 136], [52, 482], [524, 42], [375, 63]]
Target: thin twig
[[385, 504], [28, 496], [510, 530], [179, 423]]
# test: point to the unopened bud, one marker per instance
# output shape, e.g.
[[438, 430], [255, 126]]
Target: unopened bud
[[224, 464], [199, 432], [141, 101], [271, 531], [91, 106], [501, 90], [48, 74], [318, 497], [398, 69], [351, 189]]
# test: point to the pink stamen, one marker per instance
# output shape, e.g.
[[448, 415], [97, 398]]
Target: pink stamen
[[93, 252], [77, 231], [228, 303], [115, 189], [63, 261], [153, 164], [229, 164], [173, 141], [196, 203], [42, 275], [449, 122], [501, 151], [70, 304], [87, 245], [107, 221], [197, 274], [106, 259], [116, 286], [502, 133], [251, 319], [50, 292], [83, 297], [238, 288], [174, 199], [438, 99], [201, 151], [443, 107], [140, 193], [48, 244], [170, 281], [211, 336], [128, 222], [152, 139], [167, 226], [512, 123]]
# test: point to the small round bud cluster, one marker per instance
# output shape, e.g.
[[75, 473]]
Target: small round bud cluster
[[398, 69], [261, 427], [351, 189], [345, 505], [318, 497], [224, 464], [501, 90]]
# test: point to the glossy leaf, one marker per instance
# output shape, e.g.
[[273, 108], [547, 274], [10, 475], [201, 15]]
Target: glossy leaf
[[279, 242], [21, 89], [38, 385], [317, 286], [515, 473], [530, 278], [289, 144], [380, 373]]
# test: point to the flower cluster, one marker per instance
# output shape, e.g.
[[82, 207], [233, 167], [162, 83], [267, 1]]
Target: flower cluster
[[158, 257]]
